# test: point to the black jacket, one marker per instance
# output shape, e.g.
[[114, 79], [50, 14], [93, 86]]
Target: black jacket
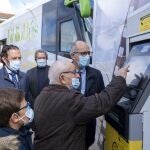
[[94, 81], [33, 88], [24, 137], [61, 115], [94, 84]]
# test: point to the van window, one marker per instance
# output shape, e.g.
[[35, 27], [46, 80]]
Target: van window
[[67, 36], [48, 40]]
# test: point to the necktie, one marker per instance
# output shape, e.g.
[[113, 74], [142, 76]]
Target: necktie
[[80, 79], [14, 79]]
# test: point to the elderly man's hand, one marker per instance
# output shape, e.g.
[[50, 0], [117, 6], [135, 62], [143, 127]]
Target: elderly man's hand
[[123, 72]]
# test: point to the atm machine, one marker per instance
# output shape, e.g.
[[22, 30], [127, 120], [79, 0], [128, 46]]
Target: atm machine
[[128, 122], [125, 120]]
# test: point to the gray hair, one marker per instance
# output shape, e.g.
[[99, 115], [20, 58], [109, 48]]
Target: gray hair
[[75, 46], [40, 51], [56, 69]]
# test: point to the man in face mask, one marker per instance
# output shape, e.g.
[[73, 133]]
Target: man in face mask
[[37, 77], [61, 114], [15, 113], [90, 78], [10, 74]]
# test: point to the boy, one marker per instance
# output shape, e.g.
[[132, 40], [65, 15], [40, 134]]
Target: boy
[[15, 112]]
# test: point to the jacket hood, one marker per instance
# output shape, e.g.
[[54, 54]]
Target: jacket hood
[[9, 143]]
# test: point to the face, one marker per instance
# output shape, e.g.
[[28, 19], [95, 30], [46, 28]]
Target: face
[[40, 56], [23, 107], [82, 50], [15, 121], [66, 77], [13, 54]]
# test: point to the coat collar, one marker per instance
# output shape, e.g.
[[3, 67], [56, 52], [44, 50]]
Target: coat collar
[[55, 87], [6, 75], [7, 131]]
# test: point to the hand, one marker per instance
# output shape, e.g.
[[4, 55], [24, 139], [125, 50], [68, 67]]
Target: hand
[[123, 72]]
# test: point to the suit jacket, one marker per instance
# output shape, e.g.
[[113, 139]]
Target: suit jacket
[[94, 84], [94, 81], [61, 114], [5, 81], [32, 83]]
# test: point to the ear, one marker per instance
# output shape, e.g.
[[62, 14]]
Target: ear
[[14, 118], [62, 79], [4, 60], [72, 56]]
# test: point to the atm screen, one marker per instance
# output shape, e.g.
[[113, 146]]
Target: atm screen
[[139, 64]]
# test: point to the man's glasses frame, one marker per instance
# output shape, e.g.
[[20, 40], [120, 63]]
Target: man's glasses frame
[[27, 105], [83, 53]]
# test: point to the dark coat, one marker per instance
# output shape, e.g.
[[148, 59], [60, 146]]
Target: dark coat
[[94, 84], [61, 115], [5, 81], [24, 137], [32, 83], [94, 81]]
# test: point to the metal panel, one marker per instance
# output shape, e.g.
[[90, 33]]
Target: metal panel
[[146, 130], [135, 127], [141, 37], [146, 106], [133, 23]]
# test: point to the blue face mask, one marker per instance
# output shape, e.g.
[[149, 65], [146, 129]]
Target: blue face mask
[[29, 114], [14, 65], [41, 63], [84, 60], [75, 83]]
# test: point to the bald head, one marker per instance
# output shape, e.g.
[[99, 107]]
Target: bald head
[[80, 53], [79, 46], [57, 68]]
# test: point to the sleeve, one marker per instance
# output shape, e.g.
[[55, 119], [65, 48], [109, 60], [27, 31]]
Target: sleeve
[[28, 94], [83, 108]]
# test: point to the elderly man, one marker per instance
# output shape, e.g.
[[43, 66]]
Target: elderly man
[[61, 114], [90, 78]]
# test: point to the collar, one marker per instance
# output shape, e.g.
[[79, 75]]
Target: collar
[[7, 131], [11, 72], [8, 71], [82, 70], [57, 87]]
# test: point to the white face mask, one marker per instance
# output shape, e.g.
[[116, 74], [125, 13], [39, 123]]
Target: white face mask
[[41, 63], [14, 65], [84, 61], [75, 83], [29, 114]]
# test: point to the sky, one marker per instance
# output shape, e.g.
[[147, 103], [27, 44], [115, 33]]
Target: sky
[[15, 6]]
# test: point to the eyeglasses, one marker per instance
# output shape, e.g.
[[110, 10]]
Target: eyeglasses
[[73, 72], [83, 53], [28, 104]]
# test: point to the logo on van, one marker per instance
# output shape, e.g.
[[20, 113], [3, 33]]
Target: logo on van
[[25, 31]]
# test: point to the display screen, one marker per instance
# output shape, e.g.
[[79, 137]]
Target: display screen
[[139, 64]]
